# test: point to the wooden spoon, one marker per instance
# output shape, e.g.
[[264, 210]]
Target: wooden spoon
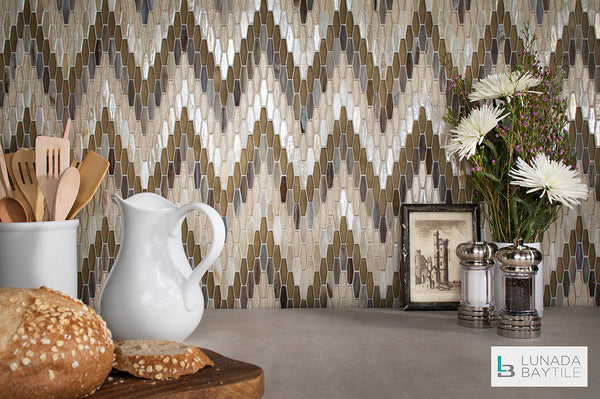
[[11, 210], [92, 170], [66, 192], [23, 168]]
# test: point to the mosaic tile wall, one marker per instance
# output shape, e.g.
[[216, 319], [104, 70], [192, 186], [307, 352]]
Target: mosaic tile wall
[[305, 123]]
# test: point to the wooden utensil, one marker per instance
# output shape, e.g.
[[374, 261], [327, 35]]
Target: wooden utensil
[[92, 170], [66, 192], [11, 210], [23, 167], [67, 128], [51, 159], [17, 193], [5, 188]]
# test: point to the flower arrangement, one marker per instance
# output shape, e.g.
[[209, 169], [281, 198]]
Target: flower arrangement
[[511, 129]]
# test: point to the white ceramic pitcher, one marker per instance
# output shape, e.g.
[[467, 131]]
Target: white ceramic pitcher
[[151, 291]]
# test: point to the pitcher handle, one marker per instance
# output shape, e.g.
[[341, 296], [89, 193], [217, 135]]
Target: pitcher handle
[[190, 289]]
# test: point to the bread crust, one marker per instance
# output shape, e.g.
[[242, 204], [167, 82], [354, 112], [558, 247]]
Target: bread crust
[[158, 360], [51, 345]]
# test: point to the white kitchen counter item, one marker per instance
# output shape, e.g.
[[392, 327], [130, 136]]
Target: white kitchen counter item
[[151, 291], [39, 253]]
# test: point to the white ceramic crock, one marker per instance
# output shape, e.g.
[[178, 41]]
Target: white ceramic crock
[[39, 253]]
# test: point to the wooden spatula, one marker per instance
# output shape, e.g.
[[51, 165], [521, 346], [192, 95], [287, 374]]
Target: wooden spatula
[[23, 167], [5, 188], [17, 193], [91, 170], [51, 159], [66, 192]]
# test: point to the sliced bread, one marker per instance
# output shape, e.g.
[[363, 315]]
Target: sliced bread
[[158, 360]]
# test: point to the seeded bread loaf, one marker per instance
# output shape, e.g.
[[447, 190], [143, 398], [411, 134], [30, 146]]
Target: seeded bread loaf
[[158, 360], [51, 345]]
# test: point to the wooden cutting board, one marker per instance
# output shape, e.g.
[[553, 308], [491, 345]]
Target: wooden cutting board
[[228, 378]]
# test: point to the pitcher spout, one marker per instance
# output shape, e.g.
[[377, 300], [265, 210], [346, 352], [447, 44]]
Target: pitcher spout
[[119, 201]]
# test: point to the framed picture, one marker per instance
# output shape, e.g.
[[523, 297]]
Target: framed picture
[[429, 267]]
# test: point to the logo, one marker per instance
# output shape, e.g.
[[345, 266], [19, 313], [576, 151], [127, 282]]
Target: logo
[[539, 366], [505, 370]]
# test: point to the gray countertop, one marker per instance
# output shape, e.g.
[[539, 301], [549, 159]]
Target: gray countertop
[[386, 353]]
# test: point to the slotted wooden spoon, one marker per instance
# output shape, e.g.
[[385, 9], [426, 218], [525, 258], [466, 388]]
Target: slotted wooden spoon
[[51, 159], [11, 210], [92, 170], [23, 167]]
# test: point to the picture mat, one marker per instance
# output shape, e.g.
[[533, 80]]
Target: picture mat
[[457, 227]]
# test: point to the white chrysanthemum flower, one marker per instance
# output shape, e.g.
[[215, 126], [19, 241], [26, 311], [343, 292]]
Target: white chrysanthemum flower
[[471, 130], [502, 85], [525, 82], [560, 182]]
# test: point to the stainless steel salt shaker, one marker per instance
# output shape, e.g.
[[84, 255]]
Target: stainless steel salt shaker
[[477, 307]]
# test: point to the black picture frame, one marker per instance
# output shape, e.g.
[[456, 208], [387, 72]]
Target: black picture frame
[[430, 281]]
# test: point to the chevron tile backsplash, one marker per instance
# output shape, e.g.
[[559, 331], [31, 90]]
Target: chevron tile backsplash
[[304, 123]]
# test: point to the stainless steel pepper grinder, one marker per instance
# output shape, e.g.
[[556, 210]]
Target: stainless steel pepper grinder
[[477, 307], [518, 317]]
